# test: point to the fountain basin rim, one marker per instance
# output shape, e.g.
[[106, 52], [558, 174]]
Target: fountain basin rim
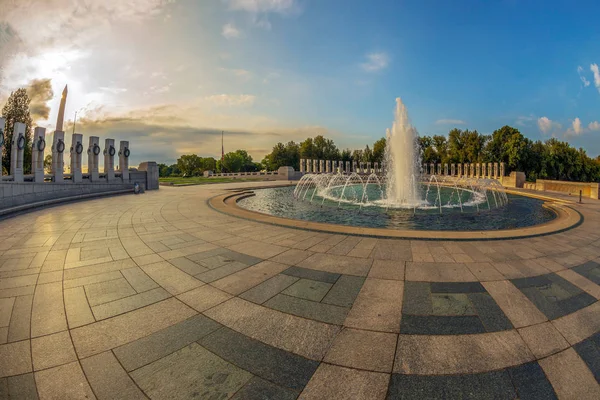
[[566, 218]]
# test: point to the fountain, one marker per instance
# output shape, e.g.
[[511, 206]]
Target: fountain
[[401, 157], [400, 186], [398, 194]]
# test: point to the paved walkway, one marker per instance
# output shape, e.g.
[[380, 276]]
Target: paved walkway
[[158, 296]]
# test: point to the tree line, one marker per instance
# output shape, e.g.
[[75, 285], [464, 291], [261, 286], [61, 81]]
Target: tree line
[[192, 165], [552, 159]]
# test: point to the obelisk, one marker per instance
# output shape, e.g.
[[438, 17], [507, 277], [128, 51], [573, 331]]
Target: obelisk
[[61, 110]]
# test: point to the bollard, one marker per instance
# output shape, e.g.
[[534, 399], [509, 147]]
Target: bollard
[[580, 194], [93, 153], [124, 153], [109, 159], [37, 154], [2, 140], [76, 157], [58, 148], [18, 152]]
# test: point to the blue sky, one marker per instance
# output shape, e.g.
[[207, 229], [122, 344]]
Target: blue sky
[[170, 74]]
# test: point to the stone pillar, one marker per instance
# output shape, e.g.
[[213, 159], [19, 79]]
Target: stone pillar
[[453, 169], [431, 169], [2, 143], [439, 168], [315, 166], [309, 166], [446, 169], [77, 157], [354, 166], [376, 166], [151, 169], [472, 170], [496, 172], [490, 171], [124, 154], [109, 159], [502, 169], [18, 152], [37, 154], [302, 165], [482, 173], [347, 170], [58, 156], [93, 158], [478, 170], [460, 170], [328, 166], [321, 166]]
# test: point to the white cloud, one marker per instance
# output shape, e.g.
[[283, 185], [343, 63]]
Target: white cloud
[[262, 6], [546, 125], [524, 120], [575, 129], [450, 122], [584, 80], [594, 69], [232, 99], [260, 9], [376, 62], [594, 126], [230, 31]]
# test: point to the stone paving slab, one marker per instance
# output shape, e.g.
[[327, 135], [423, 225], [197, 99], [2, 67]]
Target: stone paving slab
[[160, 296]]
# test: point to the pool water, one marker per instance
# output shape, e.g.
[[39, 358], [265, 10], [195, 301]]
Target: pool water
[[520, 212]]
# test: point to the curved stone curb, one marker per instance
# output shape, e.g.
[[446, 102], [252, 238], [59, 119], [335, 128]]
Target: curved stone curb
[[567, 218]]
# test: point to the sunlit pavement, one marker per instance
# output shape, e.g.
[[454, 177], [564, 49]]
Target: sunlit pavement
[[159, 296]]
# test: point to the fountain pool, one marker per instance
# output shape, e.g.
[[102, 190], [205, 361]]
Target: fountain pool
[[400, 197]]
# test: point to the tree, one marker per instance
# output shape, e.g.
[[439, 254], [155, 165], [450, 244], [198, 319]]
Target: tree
[[379, 150], [346, 155], [283, 155], [48, 163], [357, 155], [238, 161], [189, 164], [367, 155], [16, 109]]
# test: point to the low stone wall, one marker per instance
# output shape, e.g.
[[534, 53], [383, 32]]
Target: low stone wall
[[588, 189], [18, 196]]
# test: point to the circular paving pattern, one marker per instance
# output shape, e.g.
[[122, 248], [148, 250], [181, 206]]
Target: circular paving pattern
[[161, 296]]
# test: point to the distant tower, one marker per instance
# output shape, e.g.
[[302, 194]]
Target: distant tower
[[61, 110]]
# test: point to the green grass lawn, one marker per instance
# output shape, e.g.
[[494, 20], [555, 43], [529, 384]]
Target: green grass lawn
[[199, 180]]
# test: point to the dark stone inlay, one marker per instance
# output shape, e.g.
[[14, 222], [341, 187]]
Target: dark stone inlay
[[315, 275], [278, 366], [440, 325], [22, 387], [553, 295], [417, 298], [494, 385], [575, 303], [225, 254], [327, 313], [590, 270], [206, 254], [344, 291], [164, 342], [589, 351], [457, 287], [490, 314], [532, 281], [531, 383], [258, 388]]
